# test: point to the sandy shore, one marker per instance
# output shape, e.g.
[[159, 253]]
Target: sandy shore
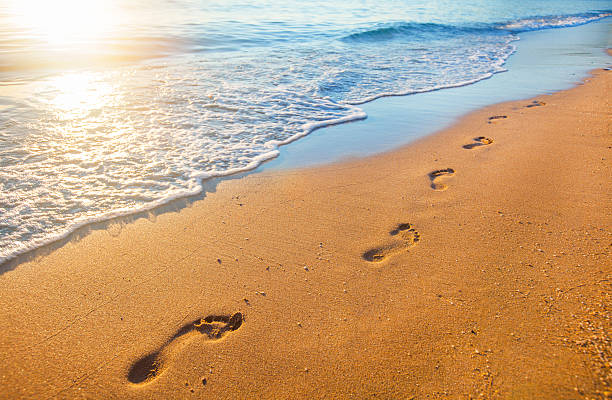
[[375, 278]]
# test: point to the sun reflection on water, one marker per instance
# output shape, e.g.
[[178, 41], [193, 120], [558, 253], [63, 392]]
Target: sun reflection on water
[[78, 94]]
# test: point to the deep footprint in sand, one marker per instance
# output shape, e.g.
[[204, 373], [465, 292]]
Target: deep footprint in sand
[[535, 103], [408, 237], [437, 175], [496, 118], [213, 327], [479, 141]]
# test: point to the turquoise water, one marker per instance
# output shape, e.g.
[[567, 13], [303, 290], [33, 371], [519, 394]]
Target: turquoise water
[[111, 107], [545, 61]]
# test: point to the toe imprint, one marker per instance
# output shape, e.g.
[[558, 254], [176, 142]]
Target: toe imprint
[[495, 118], [408, 237], [212, 327], [535, 103], [479, 141]]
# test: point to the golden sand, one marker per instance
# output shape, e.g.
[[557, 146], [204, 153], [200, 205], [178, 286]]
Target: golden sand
[[474, 263]]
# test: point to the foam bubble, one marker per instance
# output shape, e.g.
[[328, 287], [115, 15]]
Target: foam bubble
[[85, 146], [553, 21]]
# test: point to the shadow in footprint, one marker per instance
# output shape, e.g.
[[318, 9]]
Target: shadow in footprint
[[535, 103], [479, 141], [436, 175], [496, 118], [408, 237], [213, 327]]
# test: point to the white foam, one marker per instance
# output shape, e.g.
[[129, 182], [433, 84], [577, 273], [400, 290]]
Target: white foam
[[498, 66], [144, 136], [25, 247], [564, 21]]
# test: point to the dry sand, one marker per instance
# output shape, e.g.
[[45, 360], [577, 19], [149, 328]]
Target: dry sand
[[451, 268]]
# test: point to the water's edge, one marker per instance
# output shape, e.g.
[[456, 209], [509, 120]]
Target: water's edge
[[209, 182]]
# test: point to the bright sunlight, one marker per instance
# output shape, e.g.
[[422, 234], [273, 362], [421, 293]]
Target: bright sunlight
[[65, 22]]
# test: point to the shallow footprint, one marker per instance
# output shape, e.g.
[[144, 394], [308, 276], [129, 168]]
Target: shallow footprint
[[213, 327], [438, 174], [408, 237], [535, 103], [495, 118], [480, 141]]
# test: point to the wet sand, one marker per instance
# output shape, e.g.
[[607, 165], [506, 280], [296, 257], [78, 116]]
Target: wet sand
[[474, 263]]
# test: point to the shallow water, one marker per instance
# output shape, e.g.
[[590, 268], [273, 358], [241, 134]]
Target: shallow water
[[109, 107], [545, 62]]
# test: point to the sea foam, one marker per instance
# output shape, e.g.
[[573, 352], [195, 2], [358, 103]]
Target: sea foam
[[82, 145]]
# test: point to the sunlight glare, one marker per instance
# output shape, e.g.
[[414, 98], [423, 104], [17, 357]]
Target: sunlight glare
[[78, 94], [64, 22]]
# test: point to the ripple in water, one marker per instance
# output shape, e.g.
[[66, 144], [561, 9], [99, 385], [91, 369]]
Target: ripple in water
[[84, 145]]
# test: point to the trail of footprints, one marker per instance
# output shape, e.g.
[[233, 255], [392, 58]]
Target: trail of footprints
[[213, 327], [408, 236], [438, 176]]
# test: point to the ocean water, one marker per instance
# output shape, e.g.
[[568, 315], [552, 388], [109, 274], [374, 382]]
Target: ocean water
[[112, 107]]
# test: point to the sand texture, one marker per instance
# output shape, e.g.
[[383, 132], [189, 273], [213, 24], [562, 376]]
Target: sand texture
[[474, 263]]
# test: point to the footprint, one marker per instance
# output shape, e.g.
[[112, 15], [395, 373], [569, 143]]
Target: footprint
[[408, 237], [495, 118], [480, 141], [436, 175], [213, 327], [535, 103]]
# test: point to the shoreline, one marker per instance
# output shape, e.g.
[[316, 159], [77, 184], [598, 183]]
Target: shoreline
[[122, 216], [271, 160], [450, 267]]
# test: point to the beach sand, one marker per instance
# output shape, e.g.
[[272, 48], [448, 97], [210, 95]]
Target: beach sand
[[456, 267]]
